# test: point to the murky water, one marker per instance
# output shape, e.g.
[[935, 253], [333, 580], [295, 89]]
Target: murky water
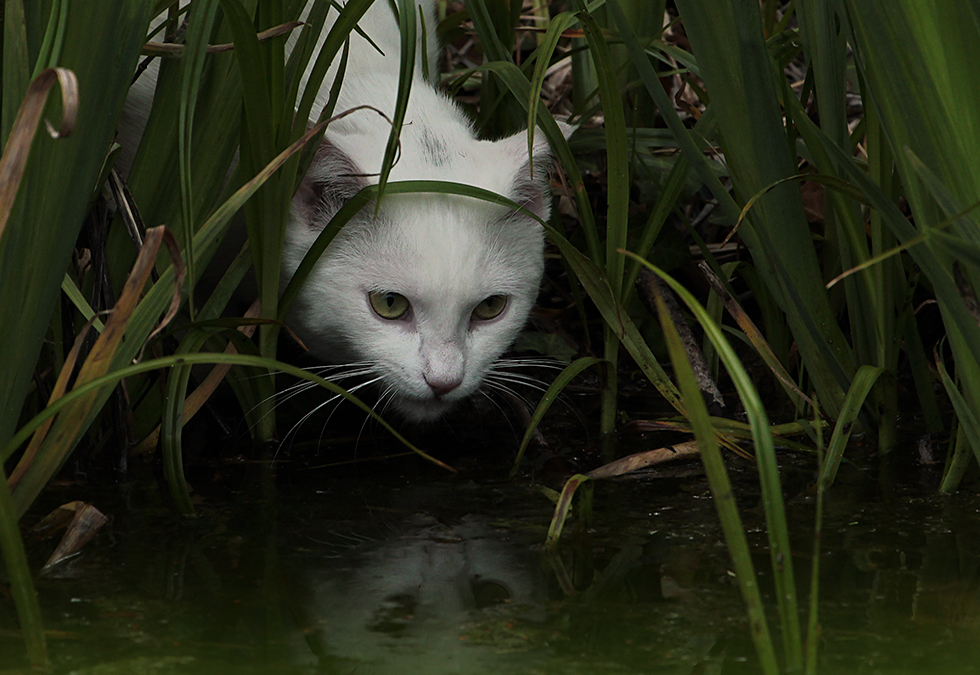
[[396, 567]]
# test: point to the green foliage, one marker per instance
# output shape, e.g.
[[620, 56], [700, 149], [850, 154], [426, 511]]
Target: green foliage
[[749, 140]]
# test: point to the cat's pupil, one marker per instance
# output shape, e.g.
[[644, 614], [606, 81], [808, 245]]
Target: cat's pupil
[[389, 299]]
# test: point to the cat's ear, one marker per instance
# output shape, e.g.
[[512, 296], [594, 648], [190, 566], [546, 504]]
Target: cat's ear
[[332, 179], [530, 188]]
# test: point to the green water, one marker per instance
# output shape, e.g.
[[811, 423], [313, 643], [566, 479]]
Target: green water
[[396, 567]]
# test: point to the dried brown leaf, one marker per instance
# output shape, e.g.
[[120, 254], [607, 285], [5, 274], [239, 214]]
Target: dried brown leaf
[[18, 148], [86, 522]]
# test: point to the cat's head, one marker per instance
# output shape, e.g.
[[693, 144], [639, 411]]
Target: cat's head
[[434, 289]]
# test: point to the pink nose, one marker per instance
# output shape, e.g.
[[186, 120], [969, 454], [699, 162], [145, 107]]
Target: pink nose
[[441, 387]]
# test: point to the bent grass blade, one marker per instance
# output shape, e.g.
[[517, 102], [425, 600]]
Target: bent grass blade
[[35, 471], [18, 147], [721, 490], [765, 453], [567, 375], [249, 360]]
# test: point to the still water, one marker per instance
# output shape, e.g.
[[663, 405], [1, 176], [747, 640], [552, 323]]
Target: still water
[[399, 567]]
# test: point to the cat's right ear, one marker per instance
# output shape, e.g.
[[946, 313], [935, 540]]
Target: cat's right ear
[[332, 179]]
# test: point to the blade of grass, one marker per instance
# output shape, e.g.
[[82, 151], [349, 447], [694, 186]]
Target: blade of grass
[[544, 53], [68, 428], [17, 149], [199, 22], [81, 304], [21, 583], [173, 423], [115, 376], [968, 423], [100, 45], [16, 72], [562, 508], [755, 337], [407, 26], [864, 380], [570, 372], [618, 189], [772, 495], [721, 490], [813, 625], [59, 389]]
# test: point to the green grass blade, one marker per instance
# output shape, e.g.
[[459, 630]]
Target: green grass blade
[[571, 371], [16, 72], [21, 583], [738, 72], [772, 496], [493, 47], [341, 28], [54, 37], [115, 376], [956, 466], [81, 304], [617, 199], [813, 623], [617, 154], [101, 45], [723, 496], [864, 380], [966, 416], [543, 54], [407, 26], [199, 22], [173, 422]]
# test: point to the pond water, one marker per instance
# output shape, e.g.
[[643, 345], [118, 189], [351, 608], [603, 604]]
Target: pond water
[[399, 567]]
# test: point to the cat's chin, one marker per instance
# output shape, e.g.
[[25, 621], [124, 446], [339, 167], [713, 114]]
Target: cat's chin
[[421, 411]]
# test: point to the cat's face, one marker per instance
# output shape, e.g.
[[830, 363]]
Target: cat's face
[[430, 293]]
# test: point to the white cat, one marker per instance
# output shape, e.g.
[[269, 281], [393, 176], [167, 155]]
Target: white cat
[[425, 297], [431, 292]]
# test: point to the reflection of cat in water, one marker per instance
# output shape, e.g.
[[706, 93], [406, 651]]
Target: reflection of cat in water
[[409, 605]]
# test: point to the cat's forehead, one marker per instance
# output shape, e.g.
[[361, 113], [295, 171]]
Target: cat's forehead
[[430, 150], [454, 245]]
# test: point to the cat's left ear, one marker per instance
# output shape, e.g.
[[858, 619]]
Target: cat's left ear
[[531, 189]]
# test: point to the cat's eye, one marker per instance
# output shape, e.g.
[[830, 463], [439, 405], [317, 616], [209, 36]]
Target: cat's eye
[[490, 308], [389, 305]]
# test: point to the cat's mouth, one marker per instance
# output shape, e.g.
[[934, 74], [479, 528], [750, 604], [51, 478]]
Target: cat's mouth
[[420, 411]]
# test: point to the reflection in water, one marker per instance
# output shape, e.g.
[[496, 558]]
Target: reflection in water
[[423, 576], [411, 601]]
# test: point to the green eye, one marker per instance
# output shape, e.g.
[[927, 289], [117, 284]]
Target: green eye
[[490, 308], [389, 305]]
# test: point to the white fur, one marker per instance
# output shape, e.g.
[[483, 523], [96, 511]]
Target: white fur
[[444, 253]]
